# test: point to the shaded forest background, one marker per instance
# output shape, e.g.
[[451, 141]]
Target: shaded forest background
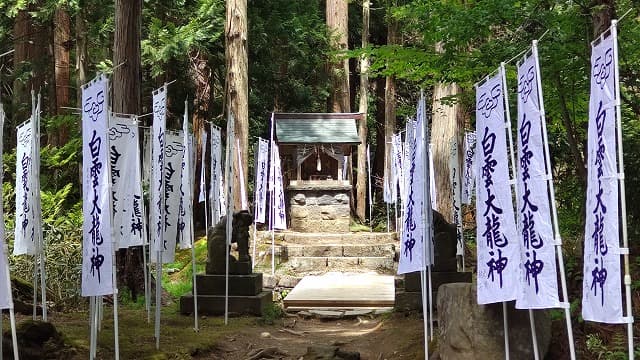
[[443, 47]]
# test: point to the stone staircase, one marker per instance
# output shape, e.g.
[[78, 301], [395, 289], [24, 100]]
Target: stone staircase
[[301, 254]]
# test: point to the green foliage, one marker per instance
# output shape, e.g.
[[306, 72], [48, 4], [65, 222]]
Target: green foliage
[[271, 314]]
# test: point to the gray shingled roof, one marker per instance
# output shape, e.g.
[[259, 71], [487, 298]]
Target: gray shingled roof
[[318, 130]]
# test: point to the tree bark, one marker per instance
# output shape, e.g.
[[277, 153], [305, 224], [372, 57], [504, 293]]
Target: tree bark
[[361, 181], [602, 17], [82, 53], [126, 57], [447, 121], [61, 47], [337, 13], [237, 86], [126, 99], [390, 102]]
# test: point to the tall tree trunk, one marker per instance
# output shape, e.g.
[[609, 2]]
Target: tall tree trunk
[[237, 85], [605, 12], [126, 99], [390, 101], [379, 162], [337, 13], [361, 181], [82, 53], [447, 120], [61, 47]]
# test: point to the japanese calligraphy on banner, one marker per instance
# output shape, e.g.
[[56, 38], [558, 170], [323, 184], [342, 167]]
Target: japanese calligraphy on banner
[[203, 174], [469, 180], [279, 216], [538, 277], [498, 248], [454, 178], [6, 300], [24, 240], [186, 188], [601, 288], [97, 247], [261, 180], [126, 184], [173, 157], [156, 213], [216, 189], [396, 169]]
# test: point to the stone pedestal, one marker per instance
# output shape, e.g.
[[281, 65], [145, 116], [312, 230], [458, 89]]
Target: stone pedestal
[[411, 297], [245, 287], [319, 207]]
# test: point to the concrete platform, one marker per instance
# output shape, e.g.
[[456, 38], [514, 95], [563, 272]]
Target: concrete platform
[[351, 290]]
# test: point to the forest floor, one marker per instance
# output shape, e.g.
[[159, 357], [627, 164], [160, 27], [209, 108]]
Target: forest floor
[[388, 336]]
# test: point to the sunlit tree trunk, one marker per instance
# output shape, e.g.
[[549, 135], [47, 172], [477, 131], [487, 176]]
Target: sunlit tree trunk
[[390, 101], [61, 50], [361, 181], [337, 12]]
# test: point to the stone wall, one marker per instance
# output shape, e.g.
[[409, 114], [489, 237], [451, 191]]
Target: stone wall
[[318, 209]]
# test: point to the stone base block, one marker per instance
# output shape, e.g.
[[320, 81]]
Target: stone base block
[[412, 280], [244, 285], [376, 263], [214, 304], [408, 301]]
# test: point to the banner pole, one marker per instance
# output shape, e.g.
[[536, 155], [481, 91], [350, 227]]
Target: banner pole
[[193, 269], [114, 275], [14, 336], [623, 200], [147, 282], [38, 208], [369, 189], [230, 208], [35, 287], [536, 354], [272, 200], [506, 330], [554, 211], [158, 294], [425, 312], [534, 337]]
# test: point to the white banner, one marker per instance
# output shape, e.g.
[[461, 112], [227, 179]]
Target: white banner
[[156, 213], [216, 187], [601, 291], [469, 167], [97, 246], [498, 248], [260, 197], [173, 156], [126, 185], [186, 189], [413, 232], [203, 175], [456, 214], [24, 235], [244, 205], [538, 276], [279, 218], [6, 300], [398, 174], [146, 156], [432, 177]]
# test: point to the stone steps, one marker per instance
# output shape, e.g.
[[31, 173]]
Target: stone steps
[[321, 264], [361, 238], [350, 250]]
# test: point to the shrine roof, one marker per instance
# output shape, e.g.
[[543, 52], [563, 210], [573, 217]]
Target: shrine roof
[[317, 128]]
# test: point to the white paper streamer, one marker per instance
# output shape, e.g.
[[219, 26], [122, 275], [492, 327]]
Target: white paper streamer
[[498, 248], [601, 292], [97, 250], [538, 276], [469, 167], [6, 300], [24, 234], [126, 185], [261, 180]]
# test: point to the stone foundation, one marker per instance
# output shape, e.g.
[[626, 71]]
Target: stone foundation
[[319, 207]]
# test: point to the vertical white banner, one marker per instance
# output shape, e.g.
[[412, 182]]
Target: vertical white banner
[[126, 183], [173, 156], [244, 204], [469, 167], [185, 211], [156, 216], [6, 300], [456, 214], [538, 276], [411, 243], [279, 218], [216, 188], [203, 175], [432, 177], [97, 246], [261, 180], [498, 248], [601, 288], [398, 173], [24, 234]]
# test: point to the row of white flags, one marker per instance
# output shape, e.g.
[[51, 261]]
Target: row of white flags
[[269, 179], [516, 252]]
